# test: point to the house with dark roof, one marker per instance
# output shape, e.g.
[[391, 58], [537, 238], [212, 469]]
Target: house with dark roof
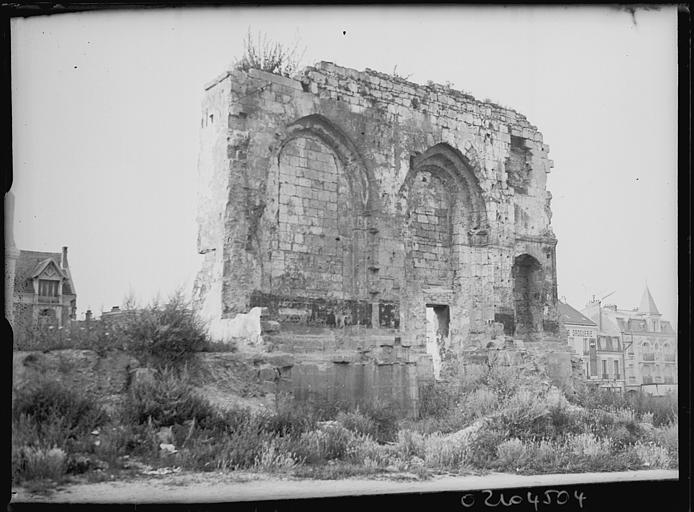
[[600, 349], [649, 343], [44, 293]]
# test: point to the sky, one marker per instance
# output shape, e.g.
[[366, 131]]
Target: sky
[[106, 109]]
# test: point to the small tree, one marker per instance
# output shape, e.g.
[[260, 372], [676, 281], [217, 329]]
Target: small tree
[[260, 52], [166, 334]]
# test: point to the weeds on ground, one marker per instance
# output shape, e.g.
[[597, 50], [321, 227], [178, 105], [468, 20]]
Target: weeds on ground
[[481, 423]]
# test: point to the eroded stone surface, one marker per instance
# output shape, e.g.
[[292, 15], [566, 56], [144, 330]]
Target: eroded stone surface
[[350, 198]]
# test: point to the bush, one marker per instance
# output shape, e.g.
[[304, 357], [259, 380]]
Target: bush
[[273, 458], [269, 56], [411, 444], [290, 421], [366, 451], [165, 335], [483, 446], [667, 437], [34, 463], [96, 336], [385, 417], [652, 455], [525, 416], [331, 441], [588, 445], [547, 456], [240, 441], [167, 399], [511, 454], [445, 451], [481, 402], [591, 397], [358, 422], [55, 414], [503, 380], [663, 409], [472, 377], [436, 400]]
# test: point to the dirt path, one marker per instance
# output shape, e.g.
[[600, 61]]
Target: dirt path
[[228, 487]]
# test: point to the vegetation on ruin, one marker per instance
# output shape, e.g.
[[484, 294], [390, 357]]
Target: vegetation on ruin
[[161, 334], [491, 418], [260, 52], [481, 418]]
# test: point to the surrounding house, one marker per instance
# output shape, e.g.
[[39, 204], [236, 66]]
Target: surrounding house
[[598, 346], [44, 293], [648, 344]]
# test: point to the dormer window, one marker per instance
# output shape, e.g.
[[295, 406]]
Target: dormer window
[[48, 288]]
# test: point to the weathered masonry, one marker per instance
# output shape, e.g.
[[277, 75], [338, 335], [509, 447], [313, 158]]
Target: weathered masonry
[[359, 207]]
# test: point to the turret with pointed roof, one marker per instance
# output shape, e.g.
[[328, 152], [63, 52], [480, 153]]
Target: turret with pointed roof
[[647, 306]]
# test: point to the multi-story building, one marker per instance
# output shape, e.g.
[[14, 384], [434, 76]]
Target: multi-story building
[[43, 293], [599, 348], [649, 344]]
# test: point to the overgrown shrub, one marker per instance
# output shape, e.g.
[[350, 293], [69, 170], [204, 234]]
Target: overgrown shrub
[[525, 416], [35, 463], [358, 422], [482, 448], [662, 409], [481, 402], [271, 56], [588, 444], [547, 456], [290, 420], [667, 437], [652, 455], [472, 377], [411, 444], [445, 451], [366, 451], [502, 380], [97, 336], [167, 399], [385, 417], [165, 335], [659, 409], [56, 413], [331, 441], [273, 458], [436, 400], [511, 454]]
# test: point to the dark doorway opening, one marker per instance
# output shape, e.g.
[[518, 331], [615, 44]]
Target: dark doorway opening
[[438, 320], [527, 288]]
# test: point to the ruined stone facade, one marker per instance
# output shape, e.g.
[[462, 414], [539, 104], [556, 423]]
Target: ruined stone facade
[[362, 203]]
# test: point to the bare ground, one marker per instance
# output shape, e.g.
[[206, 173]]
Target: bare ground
[[241, 486]]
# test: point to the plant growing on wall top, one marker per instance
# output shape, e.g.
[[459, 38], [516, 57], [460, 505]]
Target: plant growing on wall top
[[260, 52]]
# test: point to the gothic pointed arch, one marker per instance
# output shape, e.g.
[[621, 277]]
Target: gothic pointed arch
[[356, 171], [321, 195], [456, 172]]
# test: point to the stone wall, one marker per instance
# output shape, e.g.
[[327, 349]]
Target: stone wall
[[105, 378], [352, 198], [240, 379]]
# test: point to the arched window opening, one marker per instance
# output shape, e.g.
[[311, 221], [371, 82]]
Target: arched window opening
[[315, 222]]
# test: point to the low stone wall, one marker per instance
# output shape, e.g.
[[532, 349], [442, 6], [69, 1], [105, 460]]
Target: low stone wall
[[230, 379], [366, 383], [83, 370]]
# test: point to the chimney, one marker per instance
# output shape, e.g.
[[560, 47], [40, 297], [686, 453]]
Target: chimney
[[115, 309], [63, 258], [88, 315]]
